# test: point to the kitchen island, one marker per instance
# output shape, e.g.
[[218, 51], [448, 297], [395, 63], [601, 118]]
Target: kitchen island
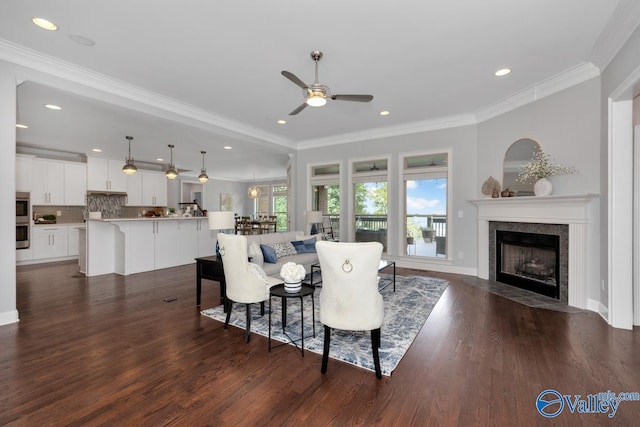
[[133, 245]]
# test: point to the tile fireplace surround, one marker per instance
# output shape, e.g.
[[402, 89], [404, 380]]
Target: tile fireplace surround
[[579, 212]]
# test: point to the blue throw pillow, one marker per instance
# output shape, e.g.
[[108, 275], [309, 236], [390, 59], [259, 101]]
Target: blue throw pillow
[[269, 254], [305, 246]]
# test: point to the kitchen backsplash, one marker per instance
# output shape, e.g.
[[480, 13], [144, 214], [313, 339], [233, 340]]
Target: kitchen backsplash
[[112, 206], [70, 214]]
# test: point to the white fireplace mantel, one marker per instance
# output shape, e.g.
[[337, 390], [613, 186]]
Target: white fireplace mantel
[[579, 211]]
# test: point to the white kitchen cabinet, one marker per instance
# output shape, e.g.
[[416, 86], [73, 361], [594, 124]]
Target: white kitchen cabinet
[[23, 173], [206, 238], [47, 182], [134, 189], [166, 244], [152, 245], [154, 189], [187, 241], [105, 175], [195, 240], [75, 184], [49, 242], [73, 240]]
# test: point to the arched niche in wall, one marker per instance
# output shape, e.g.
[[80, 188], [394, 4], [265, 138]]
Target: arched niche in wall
[[519, 153]]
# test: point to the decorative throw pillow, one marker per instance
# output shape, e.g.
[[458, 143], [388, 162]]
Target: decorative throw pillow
[[269, 254], [255, 253], [305, 246], [284, 249], [257, 271]]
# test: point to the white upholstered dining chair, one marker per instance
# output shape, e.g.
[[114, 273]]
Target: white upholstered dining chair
[[349, 299], [246, 282]]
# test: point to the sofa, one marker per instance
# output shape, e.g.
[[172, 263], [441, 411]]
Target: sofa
[[290, 246]]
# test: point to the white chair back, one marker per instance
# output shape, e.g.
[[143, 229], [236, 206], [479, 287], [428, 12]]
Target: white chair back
[[245, 284], [349, 297]]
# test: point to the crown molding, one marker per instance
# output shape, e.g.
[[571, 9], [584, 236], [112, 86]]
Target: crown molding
[[623, 22], [564, 80], [190, 115], [391, 131], [179, 111]]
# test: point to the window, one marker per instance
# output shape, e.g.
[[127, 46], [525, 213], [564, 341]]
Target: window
[[425, 184], [261, 204], [370, 201], [280, 194], [325, 190]]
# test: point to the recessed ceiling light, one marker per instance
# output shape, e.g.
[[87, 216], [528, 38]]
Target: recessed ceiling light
[[227, 147], [44, 24], [502, 72], [18, 125], [281, 122], [160, 160], [53, 107], [384, 113], [82, 40], [97, 150]]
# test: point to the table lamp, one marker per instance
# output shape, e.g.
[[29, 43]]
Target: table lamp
[[313, 218], [220, 220]]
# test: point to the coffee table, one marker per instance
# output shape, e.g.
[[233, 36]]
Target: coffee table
[[383, 264], [278, 291]]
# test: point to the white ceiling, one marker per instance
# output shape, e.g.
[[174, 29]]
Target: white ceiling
[[201, 75]]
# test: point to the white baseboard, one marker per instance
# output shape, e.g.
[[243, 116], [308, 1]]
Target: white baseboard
[[443, 267], [9, 317]]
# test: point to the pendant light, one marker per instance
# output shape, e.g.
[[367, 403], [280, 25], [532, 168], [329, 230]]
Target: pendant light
[[171, 171], [203, 172], [129, 168], [253, 191]]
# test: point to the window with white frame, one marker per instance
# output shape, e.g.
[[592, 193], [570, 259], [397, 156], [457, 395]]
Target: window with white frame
[[370, 201], [325, 191], [425, 180]]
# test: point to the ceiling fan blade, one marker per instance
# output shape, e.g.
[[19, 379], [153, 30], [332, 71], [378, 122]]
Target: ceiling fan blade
[[294, 79], [298, 109], [356, 98]]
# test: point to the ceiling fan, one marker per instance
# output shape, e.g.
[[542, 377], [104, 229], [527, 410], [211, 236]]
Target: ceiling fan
[[316, 94]]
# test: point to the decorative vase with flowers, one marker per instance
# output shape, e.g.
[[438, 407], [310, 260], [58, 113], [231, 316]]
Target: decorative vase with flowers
[[292, 274], [541, 167]]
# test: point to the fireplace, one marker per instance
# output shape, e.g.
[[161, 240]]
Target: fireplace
[[531, 256], [529, 261], [575, 218]]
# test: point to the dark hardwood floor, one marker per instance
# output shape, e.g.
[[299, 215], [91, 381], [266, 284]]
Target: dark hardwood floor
[[109, 351]]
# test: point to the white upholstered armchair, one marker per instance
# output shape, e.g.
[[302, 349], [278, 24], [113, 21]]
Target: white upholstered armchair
[[349, 299], [246, 282]]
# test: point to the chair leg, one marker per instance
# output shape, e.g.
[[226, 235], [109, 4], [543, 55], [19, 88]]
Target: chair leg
[[325, 352], [262, 308], [247, 331], [229, 305], [375, 345]]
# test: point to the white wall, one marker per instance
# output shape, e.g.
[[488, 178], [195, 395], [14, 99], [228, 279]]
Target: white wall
[[618, 74], [8, 310], [566, 125]]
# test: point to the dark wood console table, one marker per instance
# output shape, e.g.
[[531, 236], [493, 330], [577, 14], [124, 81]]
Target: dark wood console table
[[210, 268]]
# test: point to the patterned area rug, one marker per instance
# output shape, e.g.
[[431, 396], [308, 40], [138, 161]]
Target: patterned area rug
[[405, 311]]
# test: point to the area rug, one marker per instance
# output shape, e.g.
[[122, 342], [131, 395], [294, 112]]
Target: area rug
[[405, 311]]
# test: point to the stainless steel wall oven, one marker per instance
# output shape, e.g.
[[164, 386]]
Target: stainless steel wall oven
[[23, 220]]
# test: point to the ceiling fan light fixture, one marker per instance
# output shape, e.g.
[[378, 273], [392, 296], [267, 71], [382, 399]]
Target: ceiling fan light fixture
[[171, 172], [203, 172], [129, 167], [316, 100]]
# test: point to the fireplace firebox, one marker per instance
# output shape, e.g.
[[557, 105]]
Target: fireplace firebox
[[529, 261]]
